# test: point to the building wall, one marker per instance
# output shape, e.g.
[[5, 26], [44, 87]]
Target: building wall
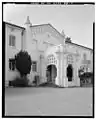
[[11, 51], [81, 51], [40, 42], [77, 53], [37, 42]]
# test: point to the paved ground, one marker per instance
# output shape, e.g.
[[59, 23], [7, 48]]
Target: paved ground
[[49, 101]]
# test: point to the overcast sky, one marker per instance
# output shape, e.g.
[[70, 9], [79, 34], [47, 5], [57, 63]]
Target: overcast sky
[[75, 20]]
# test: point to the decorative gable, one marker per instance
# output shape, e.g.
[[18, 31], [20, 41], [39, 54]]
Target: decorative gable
[[46, 28]]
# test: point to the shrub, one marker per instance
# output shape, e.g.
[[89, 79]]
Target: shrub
[[19, 82], [23, 63], [87, 76], [36, 79]]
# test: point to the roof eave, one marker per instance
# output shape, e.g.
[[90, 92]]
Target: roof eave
[[14, 25], [80, 45]]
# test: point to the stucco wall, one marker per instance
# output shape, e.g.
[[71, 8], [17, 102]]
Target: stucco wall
[[80, 51], [77, 53], [11, 50], [37, 43], [40, 42]]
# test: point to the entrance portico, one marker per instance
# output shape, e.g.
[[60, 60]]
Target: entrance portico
[[62, 68]]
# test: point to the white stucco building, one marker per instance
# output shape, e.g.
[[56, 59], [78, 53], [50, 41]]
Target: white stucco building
[[52, 57]]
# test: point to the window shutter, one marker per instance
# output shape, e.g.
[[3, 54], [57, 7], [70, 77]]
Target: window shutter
[[12, 40]]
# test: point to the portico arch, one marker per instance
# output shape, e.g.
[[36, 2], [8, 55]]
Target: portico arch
[[52, 68], [53, 57], [51, 73]]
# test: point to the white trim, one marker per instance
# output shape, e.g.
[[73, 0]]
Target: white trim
[[46, 42]]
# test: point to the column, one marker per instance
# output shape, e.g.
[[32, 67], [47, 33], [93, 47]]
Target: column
[[60, 66], [57, 77], [77, 79], [41, 68], [77, 76], [65, 71], [61, 69], [74, 70]]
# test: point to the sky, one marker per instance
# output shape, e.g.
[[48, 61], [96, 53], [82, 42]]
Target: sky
[[75, 20]]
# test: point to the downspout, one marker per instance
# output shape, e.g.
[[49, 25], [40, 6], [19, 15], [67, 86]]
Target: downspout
[[22, 40]]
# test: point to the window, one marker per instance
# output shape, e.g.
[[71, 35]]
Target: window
[[69, 59], [34, 66], [12, 40], [84, 56], [12, 64], [52, 59]]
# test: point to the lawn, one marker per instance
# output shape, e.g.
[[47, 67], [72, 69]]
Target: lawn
[[48, 101]]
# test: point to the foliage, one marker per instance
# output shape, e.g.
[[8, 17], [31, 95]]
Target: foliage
[[19, 82], [36, 79], [86, 75], [23, 63], [68, 39], [87, 78]]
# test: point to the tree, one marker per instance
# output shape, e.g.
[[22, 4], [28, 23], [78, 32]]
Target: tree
[[23, 63]]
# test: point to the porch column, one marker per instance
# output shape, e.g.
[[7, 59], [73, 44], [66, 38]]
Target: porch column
[[62, 67], [58, 82], [77, 76], [77, 63], [76, 68], [60, 71], [42, 69], [65, 71]]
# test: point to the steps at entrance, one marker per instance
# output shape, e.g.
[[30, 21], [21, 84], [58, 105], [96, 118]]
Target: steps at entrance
[[48, 84]]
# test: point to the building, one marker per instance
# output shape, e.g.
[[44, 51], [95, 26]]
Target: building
[[53, 58]]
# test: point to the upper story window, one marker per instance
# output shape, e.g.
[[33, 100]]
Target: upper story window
[[84, 56], [52, 59], [70, 59], [11, 40], [34, 66]]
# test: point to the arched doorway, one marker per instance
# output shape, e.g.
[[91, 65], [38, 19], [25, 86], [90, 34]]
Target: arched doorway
[[69, 72], [51, 73]]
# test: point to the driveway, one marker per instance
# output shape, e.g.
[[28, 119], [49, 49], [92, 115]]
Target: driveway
[[48, 101]]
